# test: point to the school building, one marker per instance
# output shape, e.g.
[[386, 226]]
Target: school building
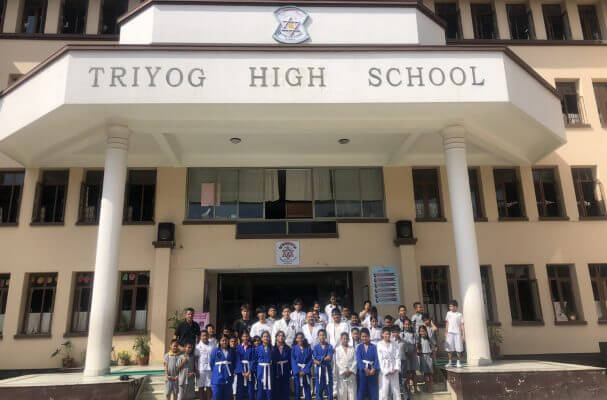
[[290, 144]]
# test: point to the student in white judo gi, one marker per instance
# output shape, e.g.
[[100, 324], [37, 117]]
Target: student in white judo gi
[[262, 324], [203, 353], [388, 354], [310, 330], [345, 369], [286, 325]]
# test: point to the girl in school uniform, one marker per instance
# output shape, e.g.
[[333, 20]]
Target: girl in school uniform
[[367, 363], [244, 368], [171, 370], [223, 360], [374, 331], [187, 373], [263, 367], [281, 359], [425, 349], [410, 355], [345, 369], [322, 355], [301, 364]]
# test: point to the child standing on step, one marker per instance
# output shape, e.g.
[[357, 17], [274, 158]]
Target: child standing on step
[[454, 343], [171, 360], [203, 353], [425, 350], [187, 373], [322, 355], [223, 361]]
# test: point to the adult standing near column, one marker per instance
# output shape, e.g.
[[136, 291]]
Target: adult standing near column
[[188, 330], [244, 323]]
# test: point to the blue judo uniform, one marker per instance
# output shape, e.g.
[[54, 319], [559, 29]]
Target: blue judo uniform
[[324, 371], [222, 375], [301, 360], [281, 361], [263, 367], [367, 385], [245, 363]]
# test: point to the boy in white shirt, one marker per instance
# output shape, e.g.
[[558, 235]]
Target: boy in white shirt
[[388, 354], [324, 318], [203, 354], [454, 340], [287, 325], [261, 325], [298, 315], [272, 316], [335, 328]]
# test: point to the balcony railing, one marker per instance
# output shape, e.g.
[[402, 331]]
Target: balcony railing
[[574, 110]]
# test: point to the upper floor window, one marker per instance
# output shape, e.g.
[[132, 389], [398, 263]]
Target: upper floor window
[[81, 303], [33, 16], [600, 94], [449, 13], [4, 283], [520, 21], [40, 304], [571, 103], [110, 11], [562, 293], [49, 202], [483, 21], [588, 192], [556, 21], [523, 294], [140, 196], [2, 9], [134, 293], [426, 189], [590, 22], [508, 193], [90, 197], [11, 187], [598, 278], [73, 16], [474, 176], [547, 192]]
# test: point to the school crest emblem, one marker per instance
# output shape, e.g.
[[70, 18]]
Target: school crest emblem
[[287, 252], [291, 25]]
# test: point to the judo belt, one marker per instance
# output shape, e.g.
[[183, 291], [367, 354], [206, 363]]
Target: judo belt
[[226, 363], [367, 363], [320, 368], [303, 366], [282, 364], [246, 368], [266, 380]]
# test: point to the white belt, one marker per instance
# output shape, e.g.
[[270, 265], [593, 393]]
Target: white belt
[[246, 369], [266, 380], [367, 363], [302, 366], [320, 368], [226, 363], [282, 364]]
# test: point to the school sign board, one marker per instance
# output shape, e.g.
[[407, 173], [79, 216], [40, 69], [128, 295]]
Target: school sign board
[[385, 285], [287, 252]]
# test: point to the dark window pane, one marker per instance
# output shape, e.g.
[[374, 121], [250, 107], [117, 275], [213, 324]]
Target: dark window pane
[[590, 22], [475, 192], [74, 16], [600, 93], [143, 278], [33, 16], [11, 184], [36, 300], [449, 13], [483, 21], [507, 190], [556, 22], [47, 304], [127, 299], [110, 11], [519, 21], [427, 193], [141, 300]]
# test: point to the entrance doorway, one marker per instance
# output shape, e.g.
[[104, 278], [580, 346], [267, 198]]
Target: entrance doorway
[[278, 288]]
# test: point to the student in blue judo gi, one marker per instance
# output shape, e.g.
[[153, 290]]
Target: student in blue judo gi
[[281, 360], [223, 360], [323, 366], [263, 367], [301, 365], [368, 368], [244, 368]]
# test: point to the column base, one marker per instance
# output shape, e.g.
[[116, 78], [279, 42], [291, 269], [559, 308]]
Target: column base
[[96, 372], [478, 362]]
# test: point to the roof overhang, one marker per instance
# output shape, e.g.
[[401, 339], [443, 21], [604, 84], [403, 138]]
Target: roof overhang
[[184, 102]]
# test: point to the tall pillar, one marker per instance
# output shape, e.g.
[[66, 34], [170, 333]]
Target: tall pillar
[[468, 269], [105, 287]]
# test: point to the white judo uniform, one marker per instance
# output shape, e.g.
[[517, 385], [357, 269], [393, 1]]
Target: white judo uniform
[[389, 362], [345, 360]]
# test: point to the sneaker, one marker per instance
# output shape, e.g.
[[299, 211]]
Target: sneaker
[[449, 364], [459, 364]]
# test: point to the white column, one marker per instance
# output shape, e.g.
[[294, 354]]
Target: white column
[[468, 270], [104, 303]]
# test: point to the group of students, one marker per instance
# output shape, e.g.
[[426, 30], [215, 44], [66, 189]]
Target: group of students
[[338, 357]]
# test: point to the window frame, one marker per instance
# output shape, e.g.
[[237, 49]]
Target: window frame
[[4, 288], [127, 197], [131, 327], [441, 212], [488, 286], [583, 11], [601, 284], [557, 188], [42, 19], [62, 8], [520, 195], [480, 203], [434, 272], [76, 297], [19, 199], [601, 99], [560, 281], [28, 302], [82, 203], [2, 14], [118, 14], [571, 119], [40, 185], [475, 8], [528, 16], [533, 284], [579, 193], [550, 34]]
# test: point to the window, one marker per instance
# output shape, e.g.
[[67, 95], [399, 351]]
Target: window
[[426, 189], [11, 187], [547, 193], [436, 291], [140, 196], [40, 304], [483, 21], [598, 278], [134, 288], [589, 22], [2, 9], [556, 21], [279, 194], [449, 13], [600, 94], [73, 16], [110, 11], [34, 14], [520, 22], [49, 202], [561, 293], [474, 177], [90, 198], [4, 283], [571, 103], [488, 294], [523, 294], [508, 193], [588, 192], [81, 303]]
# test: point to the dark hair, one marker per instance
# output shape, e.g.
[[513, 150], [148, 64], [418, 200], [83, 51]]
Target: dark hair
[[366, 301], [245, 307], [305, 341], [332, 294], [256, 337], [426, 317], [401, 306], [282, 308], [189, 309], [423, 327], [453, 303], [226, 328], [297, 301], [344, 334], [416, 303], [279, 332], [259, 310], [174, 341], [245, 332], [316, 302], [354, 329], [389, 318], [204, 330], [210, 325], [336, 311], [373, 311], [385, 329], [272, 306], [364, 330], [323, 331]]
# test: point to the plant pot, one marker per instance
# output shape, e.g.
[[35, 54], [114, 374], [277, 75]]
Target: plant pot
[[68, 362], [495, 350], [123, 362], [143, 360]]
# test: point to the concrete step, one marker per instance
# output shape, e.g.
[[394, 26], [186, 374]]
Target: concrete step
[[432, 396]]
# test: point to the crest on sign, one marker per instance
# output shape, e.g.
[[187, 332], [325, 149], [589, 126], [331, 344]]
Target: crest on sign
[[291, 25]]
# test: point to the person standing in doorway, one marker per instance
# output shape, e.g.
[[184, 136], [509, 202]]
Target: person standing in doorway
[[188, 330], [332, 304], [262, 324], [454, 340], [244, 323], [298, 315], [287, 325]]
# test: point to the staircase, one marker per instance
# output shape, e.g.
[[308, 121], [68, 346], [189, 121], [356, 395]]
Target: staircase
[[153, 388]]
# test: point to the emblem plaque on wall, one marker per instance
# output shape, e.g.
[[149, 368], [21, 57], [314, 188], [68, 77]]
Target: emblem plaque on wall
[[291, 27]]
